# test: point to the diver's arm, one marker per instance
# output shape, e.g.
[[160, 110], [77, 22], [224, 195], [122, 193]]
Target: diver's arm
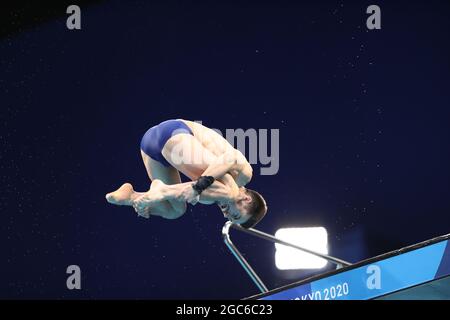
[[224, 189], [231, 161], [244, 176]]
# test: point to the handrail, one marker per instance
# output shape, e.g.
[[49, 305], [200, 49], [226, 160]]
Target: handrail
[[255, 278]]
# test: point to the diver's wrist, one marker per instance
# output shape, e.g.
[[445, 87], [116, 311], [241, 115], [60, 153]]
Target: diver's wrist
[[203, 183]]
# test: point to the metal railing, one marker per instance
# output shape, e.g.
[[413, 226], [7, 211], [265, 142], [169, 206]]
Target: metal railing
[[246, 266]]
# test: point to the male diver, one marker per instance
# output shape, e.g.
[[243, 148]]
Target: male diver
[[218, 172]]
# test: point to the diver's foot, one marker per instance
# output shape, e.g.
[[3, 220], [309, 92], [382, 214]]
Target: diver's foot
[[147, 199], [122, 196]]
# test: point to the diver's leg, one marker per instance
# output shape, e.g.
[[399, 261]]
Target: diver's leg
[[159, 174], [188, 155], [125, 196], [169, 209]]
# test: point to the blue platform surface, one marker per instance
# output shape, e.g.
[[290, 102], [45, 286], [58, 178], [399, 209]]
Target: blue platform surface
[[420, 271]]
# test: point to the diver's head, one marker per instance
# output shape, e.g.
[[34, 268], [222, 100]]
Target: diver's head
[[247, 210]]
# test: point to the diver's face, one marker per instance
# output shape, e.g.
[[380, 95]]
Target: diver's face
[[232, 213], [236, 211]]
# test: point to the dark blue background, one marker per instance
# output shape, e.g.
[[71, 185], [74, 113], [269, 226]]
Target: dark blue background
[[364, 137]]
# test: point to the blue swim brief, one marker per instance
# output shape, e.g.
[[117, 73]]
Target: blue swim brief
[[156, 137]]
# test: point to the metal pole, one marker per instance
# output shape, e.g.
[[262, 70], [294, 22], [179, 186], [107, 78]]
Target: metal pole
[[257, 280], [271, 238]]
